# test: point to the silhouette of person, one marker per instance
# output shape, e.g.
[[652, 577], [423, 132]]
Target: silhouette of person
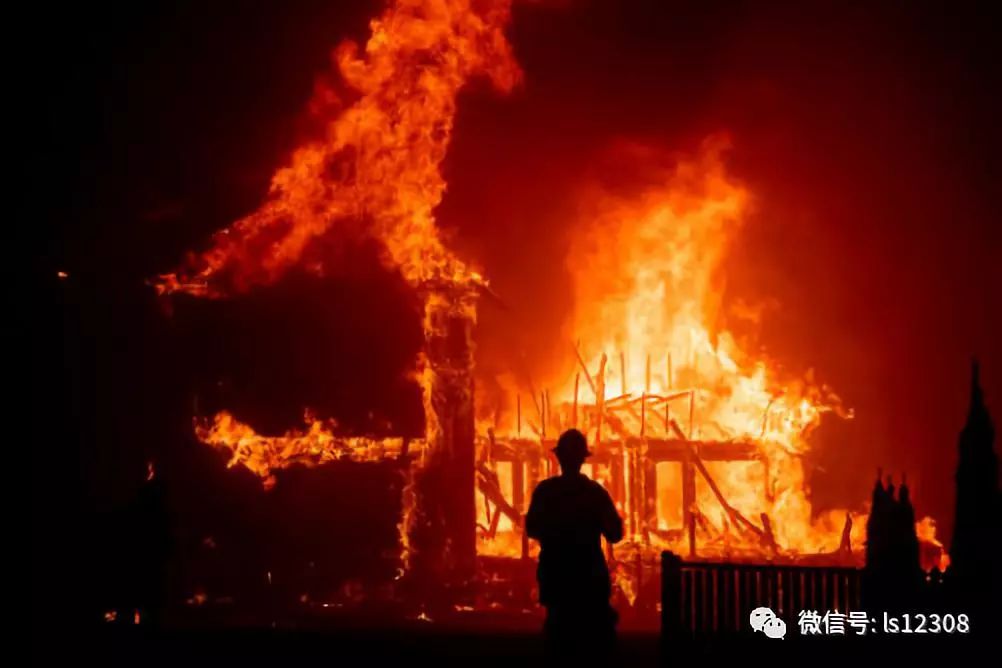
[[568, 515]]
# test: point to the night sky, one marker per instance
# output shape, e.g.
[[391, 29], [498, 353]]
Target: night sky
[[868, 135]]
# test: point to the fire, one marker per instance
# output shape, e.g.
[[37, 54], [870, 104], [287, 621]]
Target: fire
[[933, 554], [646, 286], [316, 444], [646, 272], [376, 169], [651, 290]]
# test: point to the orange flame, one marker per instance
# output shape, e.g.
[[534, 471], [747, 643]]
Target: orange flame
[[646, 276], [378, 164], [316, 444], [374, 171], [933, 552]]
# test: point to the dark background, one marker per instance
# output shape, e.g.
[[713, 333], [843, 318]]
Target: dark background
[[868, 134]]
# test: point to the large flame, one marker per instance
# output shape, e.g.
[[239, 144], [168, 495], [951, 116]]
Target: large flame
[[646, 270], [376, 169]]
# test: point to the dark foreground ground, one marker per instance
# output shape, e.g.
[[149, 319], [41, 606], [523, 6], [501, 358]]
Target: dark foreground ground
[[356, 647]]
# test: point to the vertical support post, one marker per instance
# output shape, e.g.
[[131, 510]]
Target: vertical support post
[[639, 487], [667, 402], [689, 500], [441, 524], [518, 482], [600, 399], [574, 410], [549, 411], [650, 497], [692, 535], [628, 487], [542, 415]]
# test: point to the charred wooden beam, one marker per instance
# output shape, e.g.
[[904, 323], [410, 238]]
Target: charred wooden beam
[[574, 411], [490, 486], [739, 520], [440, 526], [650, 497], [584, 367], [518, 485], [600, 399], [617, 426], [675, 449], [768, 536], [689, 499]]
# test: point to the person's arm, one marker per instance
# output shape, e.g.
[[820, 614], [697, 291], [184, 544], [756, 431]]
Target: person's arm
[[612, 524]]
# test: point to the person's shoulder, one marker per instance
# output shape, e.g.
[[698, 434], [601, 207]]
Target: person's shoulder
[[545, 485], [597, 487]]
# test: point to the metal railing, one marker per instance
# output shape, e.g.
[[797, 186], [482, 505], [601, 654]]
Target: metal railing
[[699, 598]]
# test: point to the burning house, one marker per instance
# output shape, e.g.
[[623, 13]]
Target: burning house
[[699, 440]]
